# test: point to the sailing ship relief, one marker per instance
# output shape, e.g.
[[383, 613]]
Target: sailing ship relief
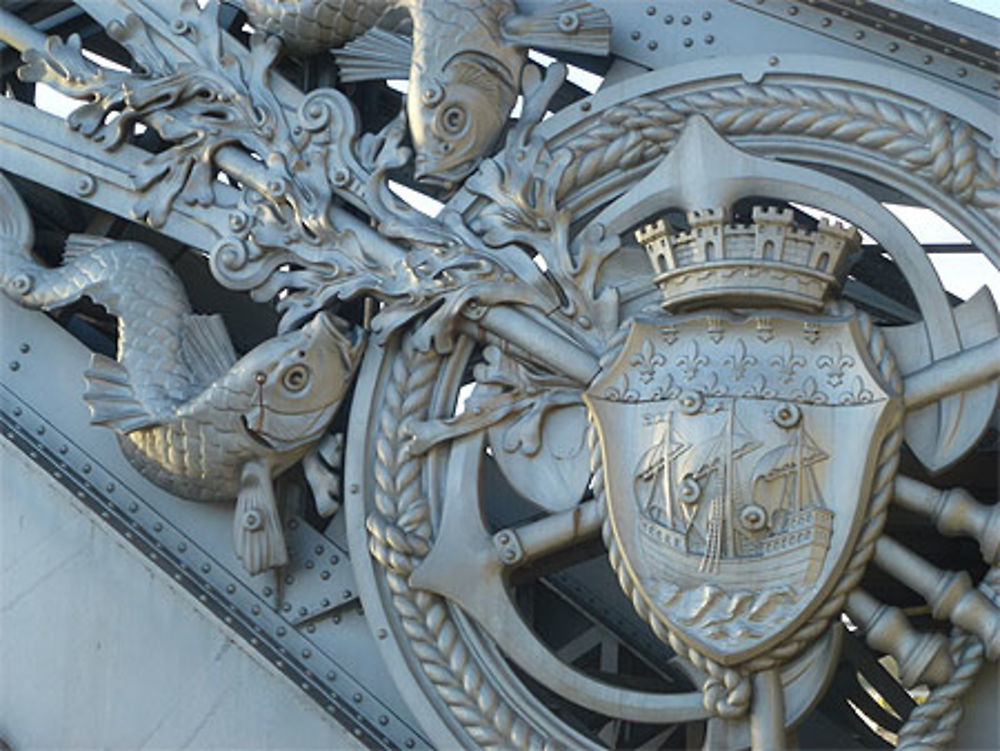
[[739, 469]]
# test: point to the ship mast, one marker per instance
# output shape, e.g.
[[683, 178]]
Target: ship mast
[[729, 482]]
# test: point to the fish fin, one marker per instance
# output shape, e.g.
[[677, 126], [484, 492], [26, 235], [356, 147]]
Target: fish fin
[[79, 245], [17, 234], [375, 55], [257, 535], [575, 26], [111, 398], [206, 347]]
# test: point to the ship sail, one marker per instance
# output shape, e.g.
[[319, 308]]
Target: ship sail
[[790, 465], [659, 460]]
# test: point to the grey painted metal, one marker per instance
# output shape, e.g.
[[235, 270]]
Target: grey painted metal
[[484, 359], [189, 542]]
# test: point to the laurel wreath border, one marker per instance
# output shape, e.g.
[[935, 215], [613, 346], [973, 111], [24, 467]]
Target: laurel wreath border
[[945, 151]]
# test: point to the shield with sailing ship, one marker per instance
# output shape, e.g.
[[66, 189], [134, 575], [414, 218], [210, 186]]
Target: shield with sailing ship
[[737, 454]]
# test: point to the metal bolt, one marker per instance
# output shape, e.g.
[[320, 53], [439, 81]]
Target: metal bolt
[[382, 633], [503, 538], [706, 16], [688, 42], [354, 487], [303, 611], [324, 575], [255, 610], [651, 10], [859, 35], [310, 629], [893, 46], [347, 594], [306, 653], [133, 507], [772, 61], [310, 564], [962, 72], [652, 45], [928, 59], [231, 589], [331, 676], [182, 547], [280, 631], [334, 559], [357, 698], [25, 348], [793, 11], [410, 743], [110, 487], [826, 22], [685, 20], [709, 39], [325, 602], [585, 106], [636, 36], [286, 607], [15, 365], [319, 550], [668, 20], [63, 449], [86, 469]]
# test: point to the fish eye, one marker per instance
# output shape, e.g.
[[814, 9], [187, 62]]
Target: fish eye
[[295, 378], [453, 119]]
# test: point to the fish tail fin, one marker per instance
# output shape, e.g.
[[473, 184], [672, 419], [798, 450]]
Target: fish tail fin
[[575, 26], [257, 534], [111, 398], [375, 55]]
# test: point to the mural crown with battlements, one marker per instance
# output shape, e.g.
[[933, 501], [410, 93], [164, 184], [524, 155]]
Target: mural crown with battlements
[[770, 261]]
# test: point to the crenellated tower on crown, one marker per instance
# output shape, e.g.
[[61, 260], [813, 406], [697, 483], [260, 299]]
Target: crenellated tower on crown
[[770, 261]]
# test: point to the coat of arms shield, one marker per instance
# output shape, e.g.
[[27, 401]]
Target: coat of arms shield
[[730, 488]]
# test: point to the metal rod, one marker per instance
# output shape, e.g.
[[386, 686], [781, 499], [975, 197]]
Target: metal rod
[[537, 539], [950, 594], [954, 511], [949, 375], [767, 718], [19, 34], [922, 658], [553, 349]]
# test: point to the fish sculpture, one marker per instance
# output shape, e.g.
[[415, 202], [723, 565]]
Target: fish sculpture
[[464, 63], [191, 417]]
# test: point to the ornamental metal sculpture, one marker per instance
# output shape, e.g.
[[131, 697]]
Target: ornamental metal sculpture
[[704, 395]]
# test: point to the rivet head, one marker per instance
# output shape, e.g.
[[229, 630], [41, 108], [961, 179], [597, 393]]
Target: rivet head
[[25, 348], [636, 36], [306, 653], [324, 575], [569, 22], [691, 402], [688, 42], [231, 589], [280, 631], [347, 594], [357, 698], [14, 365], [382, 633], [787, 415]]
